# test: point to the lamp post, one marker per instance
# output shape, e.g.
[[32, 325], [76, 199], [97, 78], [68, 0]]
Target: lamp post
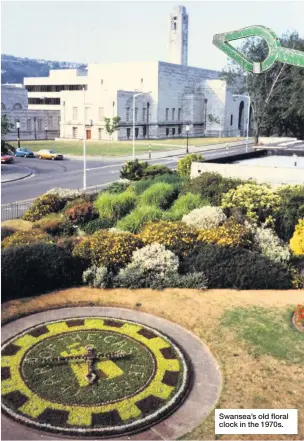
[[46, 130], [248, 117], [134, 96], [18, 133], [187, 131], [84, 145]]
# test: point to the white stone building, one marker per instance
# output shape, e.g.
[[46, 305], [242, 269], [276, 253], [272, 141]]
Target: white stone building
[[34, 124], [175, 96]]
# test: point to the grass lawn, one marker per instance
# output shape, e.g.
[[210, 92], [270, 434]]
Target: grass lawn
[[121, 148], [249, 332]]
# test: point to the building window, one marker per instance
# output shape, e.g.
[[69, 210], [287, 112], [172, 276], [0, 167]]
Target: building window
[[17, 106], [75, 113], [53, 101], [231, 120], [75, 132], [128, 132], [87, 113], [50, 122], [173, 131], [144, 131], [29, 125], [127, 114], [39, 124], [179, 116], [100, 113], [167, 114], [136, 132], [100, 133], [173, 114], [101, 82], [180, 130], [167, 131], [136, 111], [144, 114], [3, 106]]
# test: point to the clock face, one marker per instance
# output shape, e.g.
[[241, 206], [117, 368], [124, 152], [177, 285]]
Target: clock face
[[92, 376]]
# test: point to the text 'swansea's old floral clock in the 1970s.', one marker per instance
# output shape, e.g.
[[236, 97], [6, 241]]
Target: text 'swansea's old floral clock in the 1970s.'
[[92, 376]]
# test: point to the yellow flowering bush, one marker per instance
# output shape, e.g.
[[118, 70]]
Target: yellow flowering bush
[[43, 206], [228, 234], [297, 240], [260, 203], [175, 236], [26, 238], [111, 249]]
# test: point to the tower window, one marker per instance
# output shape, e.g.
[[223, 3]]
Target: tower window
[[231, 120], [167, 114]]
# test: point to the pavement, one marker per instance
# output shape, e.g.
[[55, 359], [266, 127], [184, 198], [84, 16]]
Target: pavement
[[14, 172]]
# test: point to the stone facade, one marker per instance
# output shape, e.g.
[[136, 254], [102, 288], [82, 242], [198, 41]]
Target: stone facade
[[34, 124], [178, 36]]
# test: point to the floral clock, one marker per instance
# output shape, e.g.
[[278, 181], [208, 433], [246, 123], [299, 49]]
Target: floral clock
[[298, 318], [92, 376]]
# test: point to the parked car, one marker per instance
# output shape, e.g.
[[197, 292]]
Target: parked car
[[25, 153], [49, 154], [6, 158]]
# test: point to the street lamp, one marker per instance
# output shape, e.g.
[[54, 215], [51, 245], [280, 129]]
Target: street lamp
[[84, 145], [134, 96], [187, 131], [18, 133], [248, 116]]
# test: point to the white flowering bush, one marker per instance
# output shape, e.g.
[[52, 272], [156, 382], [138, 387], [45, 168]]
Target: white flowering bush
[[269, 244], [155, 258], [96, 276], [205, 218], [64, 193]]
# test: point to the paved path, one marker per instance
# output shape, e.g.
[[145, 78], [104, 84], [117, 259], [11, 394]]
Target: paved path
[[14, 172], [205, 391]]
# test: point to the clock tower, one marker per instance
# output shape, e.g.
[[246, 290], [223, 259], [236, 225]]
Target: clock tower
[[178, 36]]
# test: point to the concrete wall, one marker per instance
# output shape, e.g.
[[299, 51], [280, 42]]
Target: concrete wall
[[13, 98], [272, 175]]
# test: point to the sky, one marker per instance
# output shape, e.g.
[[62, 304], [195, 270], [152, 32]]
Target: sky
[[119, 31]]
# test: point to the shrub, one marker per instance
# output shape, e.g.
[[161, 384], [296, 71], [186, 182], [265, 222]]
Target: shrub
[[84, 198], [118, 186], [155, 170], [184, 164], [17, 224], [211, 186], [228, 234], [79, 214], [297, 263], [43, 206], [69, 243], [297, 240], [37, 268], [115, 206], [269, 244], [237, 268], [183, 205], [133, 170], [7, 232], [98, 277], [173, 179], [64, 193], [97, 224], [291, 210], [25, 238], [205, 218], [113, 250], [55, 225], [176, 236], [134, 221], [159, 195], [258, 202], [139, 187]]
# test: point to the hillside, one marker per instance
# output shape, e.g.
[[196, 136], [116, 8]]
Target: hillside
[[15, 69]]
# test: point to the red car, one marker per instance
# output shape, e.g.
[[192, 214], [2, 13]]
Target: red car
[[6, 158]]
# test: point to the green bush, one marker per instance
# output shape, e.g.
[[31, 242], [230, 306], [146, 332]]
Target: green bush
[[159, 195], [7, 231], [291, 210], [133, 170], [211, 186], [82, 213], [55, 225], [69, 243], [139, 187], [118, 187], [134, 221], [35, 269], [183, 205], [237, 268], [115, 206], [43, 206], [98, 224], [184, 164], [155, 170]]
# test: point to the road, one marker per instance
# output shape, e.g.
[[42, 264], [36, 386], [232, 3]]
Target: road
[[69, 173]]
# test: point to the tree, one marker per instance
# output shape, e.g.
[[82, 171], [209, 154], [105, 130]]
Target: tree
[[6, 126], [276, 95], [112, 124]]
